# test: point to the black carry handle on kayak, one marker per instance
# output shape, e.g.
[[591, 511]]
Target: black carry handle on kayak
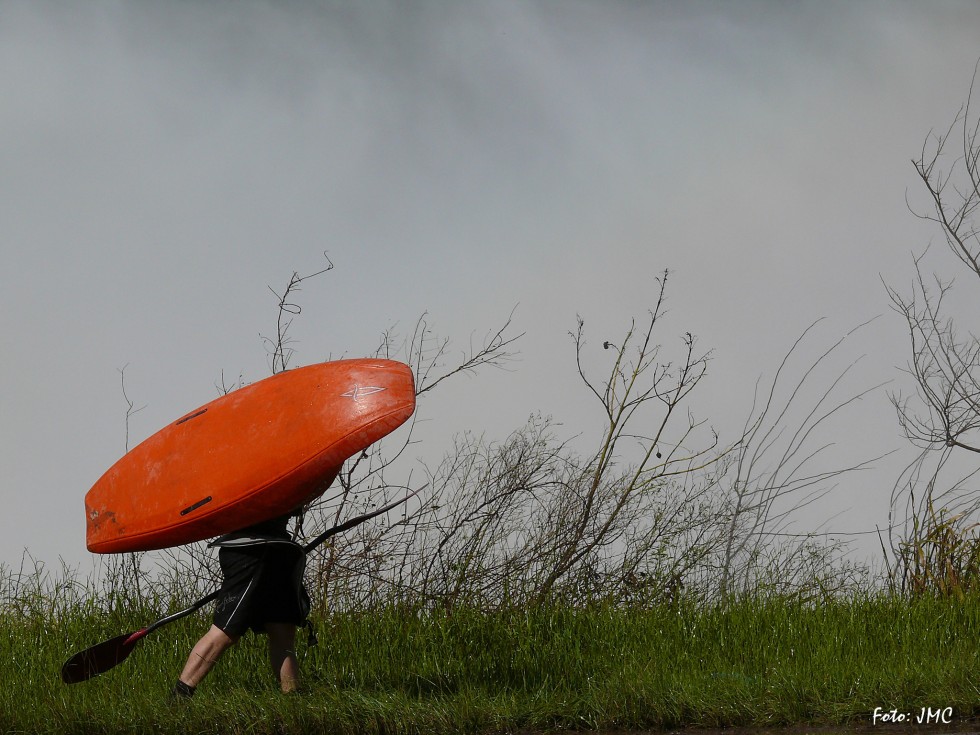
[[104, 656]]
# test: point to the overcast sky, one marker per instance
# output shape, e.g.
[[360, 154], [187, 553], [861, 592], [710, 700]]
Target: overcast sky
[[163, 164]]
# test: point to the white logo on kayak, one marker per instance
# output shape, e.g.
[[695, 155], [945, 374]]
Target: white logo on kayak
[[359, 391]]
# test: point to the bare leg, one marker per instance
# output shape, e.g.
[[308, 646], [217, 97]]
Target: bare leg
[[205, 655], [282, 654]]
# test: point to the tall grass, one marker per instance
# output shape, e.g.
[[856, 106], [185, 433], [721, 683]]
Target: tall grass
[[401, 668]]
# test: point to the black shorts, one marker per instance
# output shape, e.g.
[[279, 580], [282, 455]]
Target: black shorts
[[262, 584]]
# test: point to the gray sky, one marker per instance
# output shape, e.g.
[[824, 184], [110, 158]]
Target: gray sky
[[163, 163]]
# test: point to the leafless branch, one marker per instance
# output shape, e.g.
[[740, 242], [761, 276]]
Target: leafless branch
[[280, 350]]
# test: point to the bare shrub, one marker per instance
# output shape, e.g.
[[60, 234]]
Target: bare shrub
[[941, 416], [656, 509]]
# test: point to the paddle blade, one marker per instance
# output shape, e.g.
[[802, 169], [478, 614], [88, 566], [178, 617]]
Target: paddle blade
[[99, 658]]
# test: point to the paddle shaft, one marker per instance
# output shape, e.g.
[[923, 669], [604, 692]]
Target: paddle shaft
[[307, 548]]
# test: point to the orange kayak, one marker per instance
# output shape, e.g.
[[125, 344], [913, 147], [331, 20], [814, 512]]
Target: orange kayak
[[253, 454]]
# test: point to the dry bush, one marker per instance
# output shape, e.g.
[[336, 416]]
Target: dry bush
[[658, 508]]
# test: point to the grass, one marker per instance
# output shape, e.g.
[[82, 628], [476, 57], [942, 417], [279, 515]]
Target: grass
[[762, 663]]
